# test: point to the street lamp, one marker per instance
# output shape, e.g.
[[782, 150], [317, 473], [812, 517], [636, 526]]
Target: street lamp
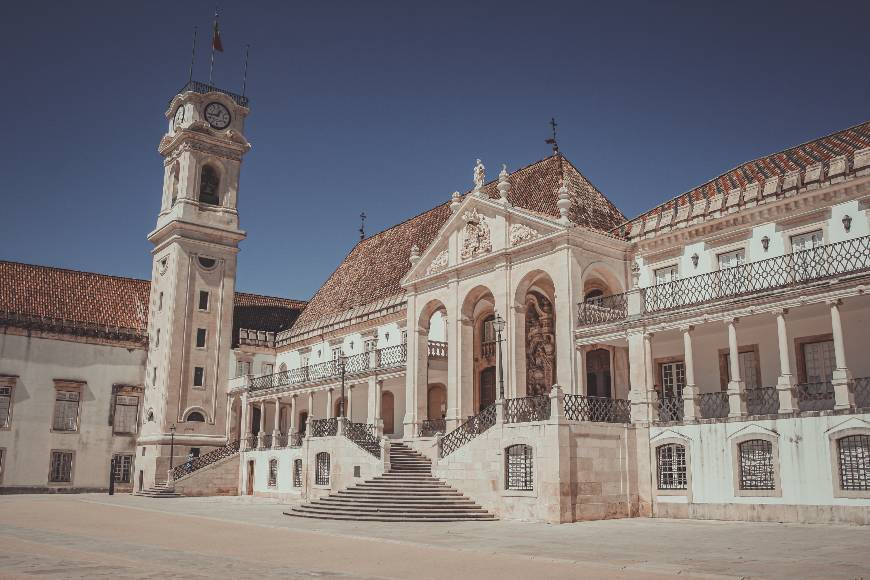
[[171, 446], [341, 368], [498, 325]]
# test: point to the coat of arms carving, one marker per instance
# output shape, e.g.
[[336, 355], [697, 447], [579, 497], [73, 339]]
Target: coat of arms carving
[[438, 263], [522, 233], [476, 235]]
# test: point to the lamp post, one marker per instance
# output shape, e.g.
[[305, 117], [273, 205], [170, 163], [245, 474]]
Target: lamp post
[[171, 446], [498, 325], [341, 368]]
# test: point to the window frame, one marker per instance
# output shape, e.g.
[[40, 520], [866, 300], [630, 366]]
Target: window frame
[[201, 384], [725, 369], [8, 383], [834, 460], [68, 387], [775, 461], [207, 301], [528, 468], [131, 467], [125, 391], [297, 472], [318, 480], [687, 449], [72, 468], [272, 473], [800, 359], [204, 332]]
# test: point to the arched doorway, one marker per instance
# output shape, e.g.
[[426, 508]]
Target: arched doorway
[[303, 421], [255, 421], [436, 402], [486, 395], [598, 382], [388, 412]]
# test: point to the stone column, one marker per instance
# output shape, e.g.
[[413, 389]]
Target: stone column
[[844, 398], [348, 412], [582, 388], [517, 369], [650, 372], [330, 408], [690, 391], [642, 408], [276, 431], [785, 384], [261, 436], [311, 415], [245, 430], [292, 427], [414, 358], [736, 386]]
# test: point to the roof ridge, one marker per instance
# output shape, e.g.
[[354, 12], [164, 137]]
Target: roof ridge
[[589, 181], [255, 294], [737, 167], [73, 271]]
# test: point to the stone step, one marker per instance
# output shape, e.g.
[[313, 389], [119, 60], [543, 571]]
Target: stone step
[[399, 510], [390, 518], [395, 513], [459, 503]]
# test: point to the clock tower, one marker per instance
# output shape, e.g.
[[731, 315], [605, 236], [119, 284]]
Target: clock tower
[[190, 320]]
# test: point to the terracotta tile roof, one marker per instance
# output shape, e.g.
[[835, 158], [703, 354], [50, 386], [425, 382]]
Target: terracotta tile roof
[[375, 267], [823, 149], [111, 301]]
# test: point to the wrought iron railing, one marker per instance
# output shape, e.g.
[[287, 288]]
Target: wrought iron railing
[[430, 427], [597, 409], [324, 427], [815, 396], [527, 409], [267, 440], [384, 358], [671, 409], [437, 349], [762, 401], [203, 88], [467, 431], [279, 441], [487, 349], [602, 309], [250, 442], [209, 458], [363, 434], [713, 405], [861, 390], [782, 271]]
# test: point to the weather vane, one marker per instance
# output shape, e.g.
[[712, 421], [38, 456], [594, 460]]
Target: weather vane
[[552, 140], [362, 226]]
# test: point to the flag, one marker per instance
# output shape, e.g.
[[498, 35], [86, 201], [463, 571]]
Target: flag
[[216, 36]]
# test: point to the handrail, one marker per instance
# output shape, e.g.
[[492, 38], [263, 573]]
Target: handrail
[[603, 309], [467, 431], [209, 458], [363, 434]]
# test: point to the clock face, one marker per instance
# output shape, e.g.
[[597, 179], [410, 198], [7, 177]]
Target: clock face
[[179, 117], [217, 115]]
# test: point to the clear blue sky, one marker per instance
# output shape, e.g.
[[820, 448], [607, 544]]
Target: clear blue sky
[[383, 107]]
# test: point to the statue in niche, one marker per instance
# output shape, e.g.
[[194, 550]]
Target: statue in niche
[[476, 235], [540, 344]]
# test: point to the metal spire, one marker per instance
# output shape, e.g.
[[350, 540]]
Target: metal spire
[[362, 226], [552, 140]]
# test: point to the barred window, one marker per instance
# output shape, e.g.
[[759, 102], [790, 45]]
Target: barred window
[[518, 473], [756, 465], [126, 414], [854, 456], [123, 467], [297, 473], [60, 470], [273, 473], [5, 406], [321, 474], [671, 466], [66, 410]]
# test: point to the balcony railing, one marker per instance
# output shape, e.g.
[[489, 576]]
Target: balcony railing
[[780, 272], [861, 390], [788, 270], [597, 409], [527, 409], [713, 405], [437, 349], [487, 349], [384, 358], [815, 396], [203, 88], [762, 401], [671, 409], [324, 427]]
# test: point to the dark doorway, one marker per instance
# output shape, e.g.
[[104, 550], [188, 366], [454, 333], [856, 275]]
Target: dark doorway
[[598, 373], [487, 388], [303, 421], [255, 421], [141, 480], [250, 486]]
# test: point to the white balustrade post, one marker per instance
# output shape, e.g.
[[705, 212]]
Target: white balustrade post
[[349, 403], [557, 404], [261, 435], [690, 391], [639, 395], [736, 386], [292, 427], [785, 383], [276, 431], [329, 406], [844, 397]]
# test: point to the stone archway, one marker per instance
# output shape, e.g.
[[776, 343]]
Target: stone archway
[[436, 402]]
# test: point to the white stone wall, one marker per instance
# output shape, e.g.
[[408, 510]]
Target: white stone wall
[[28, 443]]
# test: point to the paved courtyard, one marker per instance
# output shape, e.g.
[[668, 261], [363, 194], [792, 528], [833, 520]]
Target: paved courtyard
[[96, 536]]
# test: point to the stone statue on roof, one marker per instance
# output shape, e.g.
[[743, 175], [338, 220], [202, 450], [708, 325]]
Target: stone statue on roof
[[479, 175]]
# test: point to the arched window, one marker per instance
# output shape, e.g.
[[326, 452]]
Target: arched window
[[321, 472], [756, 465], [671, 466], [593, 294], [853, 453], [209, 183], [518, 474], [195, 417], [273, 473], [297, 473], [282, 368]]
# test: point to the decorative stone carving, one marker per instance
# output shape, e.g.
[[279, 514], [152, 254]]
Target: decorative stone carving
[[479, 177], [415, 254], [455, 202], [439, 263], [522, 233], [540, 344], [476, 235]]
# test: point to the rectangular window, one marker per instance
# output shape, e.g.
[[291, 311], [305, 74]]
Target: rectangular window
[[203, 300], [297, 473], [371, 344], [123, 467], [756, 465], [819, 361], [200, 338], [268, 368], [749, 369], [5, 407], [806, 241], [273, 473], [243, 368], [198, 376], [518, 473], [66, 410], [153, 375], [854, 462], [60, 470], [732, 259], [666, 274], [126, 414], [671, 466]]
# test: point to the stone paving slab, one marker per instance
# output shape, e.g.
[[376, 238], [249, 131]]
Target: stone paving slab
[[97, 536]]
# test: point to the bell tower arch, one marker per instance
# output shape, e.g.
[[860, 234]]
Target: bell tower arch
[[193, 276]]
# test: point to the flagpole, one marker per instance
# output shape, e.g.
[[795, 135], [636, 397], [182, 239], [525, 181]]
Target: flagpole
[[192, 55], [211, 65], [245, 75]]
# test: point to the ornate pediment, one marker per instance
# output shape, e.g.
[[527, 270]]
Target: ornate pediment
[[476, 235], [521, 233], [438, 263]]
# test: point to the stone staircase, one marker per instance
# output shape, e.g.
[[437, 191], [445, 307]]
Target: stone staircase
[[407, 492], [160, 490]]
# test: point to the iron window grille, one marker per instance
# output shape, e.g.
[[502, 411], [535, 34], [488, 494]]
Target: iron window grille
[[756, 465], [61, 467], [518, 468], [273, 473], [123, 468], [671, 466], [854, 459], [5, 406], [321, 473], [297, 473]]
